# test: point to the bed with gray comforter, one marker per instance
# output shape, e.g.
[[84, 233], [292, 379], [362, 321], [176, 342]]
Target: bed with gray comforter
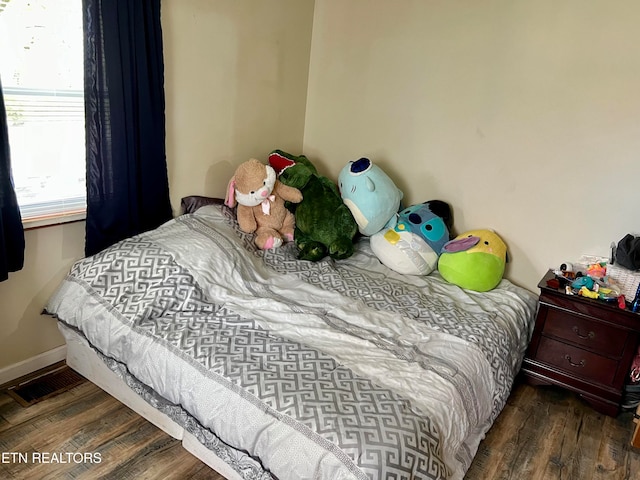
[[292, 369]]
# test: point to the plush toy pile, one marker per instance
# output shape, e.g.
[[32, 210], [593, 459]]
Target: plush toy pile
[[288, 200]]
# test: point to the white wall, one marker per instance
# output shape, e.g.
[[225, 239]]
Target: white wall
[[524, 116]]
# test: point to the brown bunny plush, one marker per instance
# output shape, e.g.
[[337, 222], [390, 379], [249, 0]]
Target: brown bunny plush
[[260, 198]]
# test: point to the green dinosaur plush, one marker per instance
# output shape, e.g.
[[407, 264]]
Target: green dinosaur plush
[[324, 224]]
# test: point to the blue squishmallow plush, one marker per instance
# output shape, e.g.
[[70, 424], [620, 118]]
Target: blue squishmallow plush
[[413, 246], [370, 195]]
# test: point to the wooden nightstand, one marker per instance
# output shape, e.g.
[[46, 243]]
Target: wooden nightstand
[[584, 345]]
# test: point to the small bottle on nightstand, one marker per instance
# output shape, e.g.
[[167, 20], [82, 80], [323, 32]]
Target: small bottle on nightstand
[[635, 305]]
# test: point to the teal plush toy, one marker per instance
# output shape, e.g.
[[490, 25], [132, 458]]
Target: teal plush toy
[[474, 260], [370, 194], [324, 224]]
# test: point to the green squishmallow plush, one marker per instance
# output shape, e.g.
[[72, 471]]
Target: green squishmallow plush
[[474, 260]]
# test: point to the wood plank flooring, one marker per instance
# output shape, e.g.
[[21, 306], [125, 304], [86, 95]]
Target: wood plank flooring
[[542, 434], [85, 420], [546, 433]]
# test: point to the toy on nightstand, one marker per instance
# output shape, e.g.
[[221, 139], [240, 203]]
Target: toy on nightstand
[[370, 194], [595, 284], [564, 276], [566, 271], [597, 270]]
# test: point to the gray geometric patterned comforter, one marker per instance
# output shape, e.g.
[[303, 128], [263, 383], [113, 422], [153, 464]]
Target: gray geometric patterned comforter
[[294, 369]]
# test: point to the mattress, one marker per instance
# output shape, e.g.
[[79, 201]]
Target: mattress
[[296, 369]]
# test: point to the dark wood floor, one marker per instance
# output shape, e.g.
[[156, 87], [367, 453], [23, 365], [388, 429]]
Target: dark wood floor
[[543, 433], [85, 420], [546, 433]]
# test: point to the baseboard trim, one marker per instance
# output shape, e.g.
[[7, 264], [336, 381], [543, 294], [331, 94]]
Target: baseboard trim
[[30, 365]]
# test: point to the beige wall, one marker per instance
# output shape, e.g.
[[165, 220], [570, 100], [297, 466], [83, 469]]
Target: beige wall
[[235, 85], [49, 253], [524, 116]]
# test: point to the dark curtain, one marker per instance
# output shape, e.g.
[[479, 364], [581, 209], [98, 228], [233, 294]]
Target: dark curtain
[[127, 183], [11, 231]]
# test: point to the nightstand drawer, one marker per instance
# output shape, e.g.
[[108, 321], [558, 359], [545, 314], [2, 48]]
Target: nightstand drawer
[[577, 361], [598, 337]]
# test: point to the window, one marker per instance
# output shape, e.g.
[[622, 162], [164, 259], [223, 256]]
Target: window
[[41, 66]]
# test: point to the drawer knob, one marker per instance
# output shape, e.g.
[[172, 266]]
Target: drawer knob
[[568, 359], [589, 335]]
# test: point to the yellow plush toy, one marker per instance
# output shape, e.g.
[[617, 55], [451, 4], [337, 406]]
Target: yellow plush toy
[[474, 260], [260, 198]]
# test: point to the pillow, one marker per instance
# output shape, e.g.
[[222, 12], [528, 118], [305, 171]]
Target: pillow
[[193, 202]]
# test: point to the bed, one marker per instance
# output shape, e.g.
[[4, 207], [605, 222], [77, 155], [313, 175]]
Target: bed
[[266, 366]]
